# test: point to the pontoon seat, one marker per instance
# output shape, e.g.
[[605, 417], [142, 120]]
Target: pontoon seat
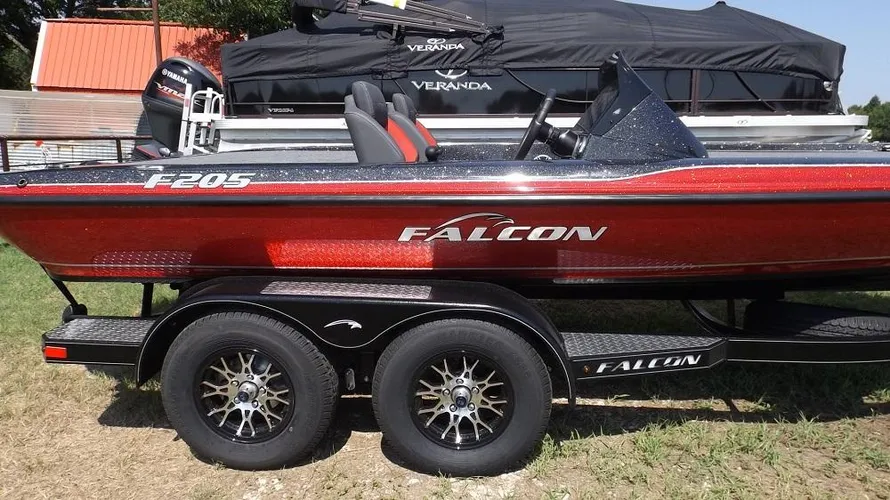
[[404, 113], [376, 137]]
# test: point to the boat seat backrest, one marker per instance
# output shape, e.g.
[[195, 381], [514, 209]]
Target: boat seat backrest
[[369, 99], [411, 131], [375, 136], [405, 105]]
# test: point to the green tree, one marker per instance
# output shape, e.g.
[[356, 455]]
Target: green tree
[[18, 37], [15, 65], [237, 17], [878, 117]]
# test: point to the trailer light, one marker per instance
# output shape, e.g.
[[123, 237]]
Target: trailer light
[[54, 352]]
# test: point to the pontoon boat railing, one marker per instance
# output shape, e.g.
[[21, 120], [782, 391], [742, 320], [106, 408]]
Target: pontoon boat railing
[[118, 141]]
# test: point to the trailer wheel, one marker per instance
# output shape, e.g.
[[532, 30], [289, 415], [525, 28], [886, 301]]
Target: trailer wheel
[[247, 391], [461, 397]]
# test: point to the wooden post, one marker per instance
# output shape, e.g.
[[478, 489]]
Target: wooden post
[[156, 20]]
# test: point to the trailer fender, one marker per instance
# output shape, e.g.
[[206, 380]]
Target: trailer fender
[[541, 334], [358, 315], [165, 330]]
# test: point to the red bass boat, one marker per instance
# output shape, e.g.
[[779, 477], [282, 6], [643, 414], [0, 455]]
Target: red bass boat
[[567, 221], [632, 198]]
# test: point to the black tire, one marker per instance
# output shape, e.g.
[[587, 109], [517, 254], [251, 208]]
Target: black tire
[[512, 441], [312, 379], [790, 318]]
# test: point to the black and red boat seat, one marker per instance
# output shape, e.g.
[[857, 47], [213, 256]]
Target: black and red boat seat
[[405, 105], [404, 113], [375, 136]]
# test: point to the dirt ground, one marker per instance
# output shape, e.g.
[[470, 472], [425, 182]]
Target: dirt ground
[[67, 432]]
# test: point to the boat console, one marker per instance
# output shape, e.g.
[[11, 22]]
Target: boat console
[[627, 121]]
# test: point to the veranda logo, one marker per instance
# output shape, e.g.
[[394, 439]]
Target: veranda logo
[[435, 44], [456, 230], [451, 82], [452, 74]]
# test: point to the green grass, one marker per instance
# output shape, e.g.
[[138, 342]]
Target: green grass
[[30, 304]]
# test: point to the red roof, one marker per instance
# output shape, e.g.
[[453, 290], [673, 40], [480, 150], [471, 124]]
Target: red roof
[[111, 55]]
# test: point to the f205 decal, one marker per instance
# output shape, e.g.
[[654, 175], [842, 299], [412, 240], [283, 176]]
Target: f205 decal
[[199, 181]]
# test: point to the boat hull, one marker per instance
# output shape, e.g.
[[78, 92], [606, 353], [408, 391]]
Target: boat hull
[[502, 222], [608, 242], [541, 240]]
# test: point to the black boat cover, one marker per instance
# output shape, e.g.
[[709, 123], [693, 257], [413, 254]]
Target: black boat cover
[[536, 34]]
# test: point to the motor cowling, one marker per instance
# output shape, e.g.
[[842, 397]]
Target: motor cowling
[[164, 96]]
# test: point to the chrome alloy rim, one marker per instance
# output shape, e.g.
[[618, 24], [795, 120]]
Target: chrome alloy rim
[[461, 400], [243, 395]]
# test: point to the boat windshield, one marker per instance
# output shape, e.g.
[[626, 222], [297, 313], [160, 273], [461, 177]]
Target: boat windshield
[[628, 121]]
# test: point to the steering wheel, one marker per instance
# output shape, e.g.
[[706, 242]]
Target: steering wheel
[[531, 133]]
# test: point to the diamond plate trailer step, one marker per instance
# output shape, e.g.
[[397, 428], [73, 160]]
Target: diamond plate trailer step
[[605, 355], [106, 341], [775, 332]]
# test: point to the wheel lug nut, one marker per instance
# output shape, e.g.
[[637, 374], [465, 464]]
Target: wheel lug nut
[[446, 392], [476, 390], [453, 407], [250, 377], [234, 382], [472, 407], [460, 381], [255, 404]]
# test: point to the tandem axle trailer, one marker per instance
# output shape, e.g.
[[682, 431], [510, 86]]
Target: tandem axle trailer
[[461, 374]]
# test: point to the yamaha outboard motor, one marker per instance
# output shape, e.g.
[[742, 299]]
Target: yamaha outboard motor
[[164, 96]]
